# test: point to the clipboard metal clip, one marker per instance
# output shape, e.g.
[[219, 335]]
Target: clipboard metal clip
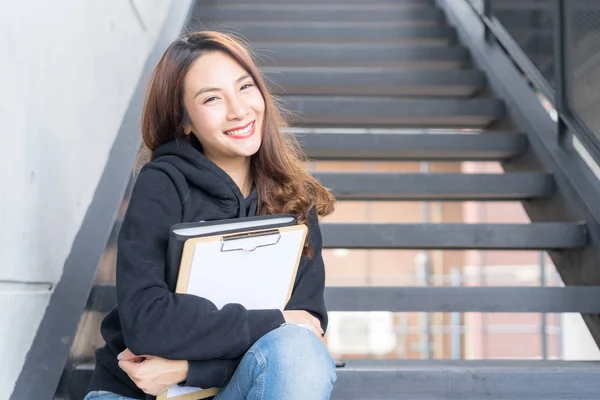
[[250, 241]]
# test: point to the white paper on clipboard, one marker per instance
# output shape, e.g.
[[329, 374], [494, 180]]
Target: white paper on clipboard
[[180, 391], [257, 279], [256, 270]]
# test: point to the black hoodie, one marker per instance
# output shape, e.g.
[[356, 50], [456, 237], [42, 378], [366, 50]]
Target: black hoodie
[[182, 185]]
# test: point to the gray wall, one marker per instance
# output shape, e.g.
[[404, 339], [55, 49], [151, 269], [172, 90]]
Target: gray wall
[[576, 340], [67, 72]]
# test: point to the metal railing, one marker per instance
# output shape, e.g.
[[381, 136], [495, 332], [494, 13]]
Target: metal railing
[[556, 44], [550, 105]]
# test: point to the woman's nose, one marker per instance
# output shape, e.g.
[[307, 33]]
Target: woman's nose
[[238, 109]]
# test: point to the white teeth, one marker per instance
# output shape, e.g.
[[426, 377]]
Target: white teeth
[[241, 132]]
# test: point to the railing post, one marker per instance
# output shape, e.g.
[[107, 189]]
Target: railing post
[[560, 98], [487, 14], [544, 321], [426, 351], [455, 318]]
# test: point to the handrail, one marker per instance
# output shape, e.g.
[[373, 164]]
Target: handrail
[[49, 352], [577, 187], [568, 121]]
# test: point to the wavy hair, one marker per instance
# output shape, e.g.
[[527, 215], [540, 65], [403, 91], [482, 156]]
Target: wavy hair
[[278, 170]]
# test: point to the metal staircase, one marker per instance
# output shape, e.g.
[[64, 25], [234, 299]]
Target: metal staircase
[[371, 81]]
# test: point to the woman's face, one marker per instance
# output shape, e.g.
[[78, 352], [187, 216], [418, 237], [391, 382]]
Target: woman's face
[[225, 107]]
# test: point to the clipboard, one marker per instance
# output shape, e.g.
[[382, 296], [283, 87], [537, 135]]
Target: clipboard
[[265, 258], [182, 232]]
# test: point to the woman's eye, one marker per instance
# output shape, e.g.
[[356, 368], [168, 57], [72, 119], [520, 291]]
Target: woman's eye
[[209, 100], [247, 85]]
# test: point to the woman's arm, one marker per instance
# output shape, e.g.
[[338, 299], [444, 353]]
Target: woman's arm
[[155, 374], [160, 323], [307, 295], [309, 287]]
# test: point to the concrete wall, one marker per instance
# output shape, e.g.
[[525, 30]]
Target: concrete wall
[[67, 72], [577, 341]]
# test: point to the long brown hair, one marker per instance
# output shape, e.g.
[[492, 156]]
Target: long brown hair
[[282, 182]]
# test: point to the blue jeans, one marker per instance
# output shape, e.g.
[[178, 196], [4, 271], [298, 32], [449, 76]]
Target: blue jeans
[[289, 363], [104, 395]]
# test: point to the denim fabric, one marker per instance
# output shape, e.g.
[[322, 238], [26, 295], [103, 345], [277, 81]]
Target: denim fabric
[[289, 363], [102, 395]]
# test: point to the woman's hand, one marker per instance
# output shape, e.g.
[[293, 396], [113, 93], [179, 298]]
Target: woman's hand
[[302, 317], [152, 374]]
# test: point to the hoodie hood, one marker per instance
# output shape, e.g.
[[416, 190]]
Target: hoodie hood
[[204, 175]]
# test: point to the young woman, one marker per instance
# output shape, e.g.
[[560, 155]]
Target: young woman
[[217, 151]]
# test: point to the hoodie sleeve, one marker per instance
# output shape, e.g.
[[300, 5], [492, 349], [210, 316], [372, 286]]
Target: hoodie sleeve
[[156, 321], [211, 373], [309, 287]]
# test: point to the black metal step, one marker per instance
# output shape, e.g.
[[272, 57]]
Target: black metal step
[[522, 5], [103, 298], [373, 81], [398, 3], [570, 299], [448, 236], [352, 32], [467, 380], [396, 112], [535, 236], [436, 186], [430, 299], [520, 19], [451, 236], [74, 381], [345, 145], [318, 12], [539, 6], [444, 380], [306, 54]]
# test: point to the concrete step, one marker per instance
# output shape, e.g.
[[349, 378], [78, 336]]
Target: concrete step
[[393, 186], [378, 111], [349, 32], [424, 145], [318, 12], [374, 81], [382, 55], [442, 380]]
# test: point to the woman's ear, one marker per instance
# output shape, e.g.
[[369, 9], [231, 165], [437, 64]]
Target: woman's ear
[[187, 129], [187, 123]]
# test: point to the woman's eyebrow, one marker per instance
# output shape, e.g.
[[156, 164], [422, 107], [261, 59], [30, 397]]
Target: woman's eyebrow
[[212, 89]]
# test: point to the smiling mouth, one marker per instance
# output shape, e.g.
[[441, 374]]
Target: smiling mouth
[[242, 132]]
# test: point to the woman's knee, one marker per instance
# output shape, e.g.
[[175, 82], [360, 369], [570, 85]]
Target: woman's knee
[[295, 351]]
